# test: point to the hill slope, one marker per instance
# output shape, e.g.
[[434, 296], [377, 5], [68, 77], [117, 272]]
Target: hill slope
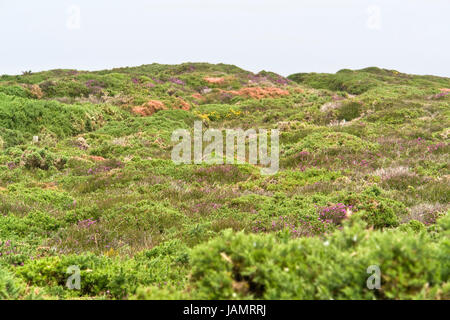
[[363, 180]]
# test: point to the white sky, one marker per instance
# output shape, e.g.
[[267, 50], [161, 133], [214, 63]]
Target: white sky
[[283, 36]]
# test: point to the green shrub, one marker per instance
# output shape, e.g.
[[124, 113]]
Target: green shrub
[[414, 226], [160, 293], [99, 275], [396, 115], [42, 159], [65, 89], [351, 82], [377, 210], [322, 141], [263, 267], [15, 90], [13, 137], [349, 111], [35, 223], [10, 289], [31, 116]]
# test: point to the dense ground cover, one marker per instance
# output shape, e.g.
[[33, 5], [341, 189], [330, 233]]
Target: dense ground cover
[[363, 180]]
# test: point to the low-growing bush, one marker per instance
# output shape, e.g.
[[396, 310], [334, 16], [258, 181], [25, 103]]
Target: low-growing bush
[[9, 287], [31, 116], [42, 159], [349, 111], [99, 275], [264, 267], [322, 141]]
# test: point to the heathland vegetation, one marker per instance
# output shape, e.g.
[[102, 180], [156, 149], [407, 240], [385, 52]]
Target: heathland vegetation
[[87, 180]]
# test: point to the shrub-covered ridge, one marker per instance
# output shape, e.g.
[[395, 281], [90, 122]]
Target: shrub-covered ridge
[[86, 180]]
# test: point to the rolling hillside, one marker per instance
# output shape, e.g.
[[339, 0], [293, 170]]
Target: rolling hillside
[[87, 180]]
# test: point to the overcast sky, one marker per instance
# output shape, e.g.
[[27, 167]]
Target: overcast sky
[[278, 35]]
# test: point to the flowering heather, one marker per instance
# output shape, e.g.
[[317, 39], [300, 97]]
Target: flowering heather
[[362, 163], [158, 81], [205, 207], [440, 95], [11, 165], [258, 226], [303, 154], [275, 79], [86, 223], [436, 147], [94, 84], [334, 213], [7, 249], [177, 81], [99, 169], [105, 167], [426, 213], [303, 227], [5, 245]]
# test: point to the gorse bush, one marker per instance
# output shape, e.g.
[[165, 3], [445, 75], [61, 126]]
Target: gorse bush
[[13, 137], [42, 159], [9, 287], [325, 141], [32, 116], [349, 111], [15, 90], [266, 267], [341, 81], [109, 275], [376, 210], [100, 275]]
